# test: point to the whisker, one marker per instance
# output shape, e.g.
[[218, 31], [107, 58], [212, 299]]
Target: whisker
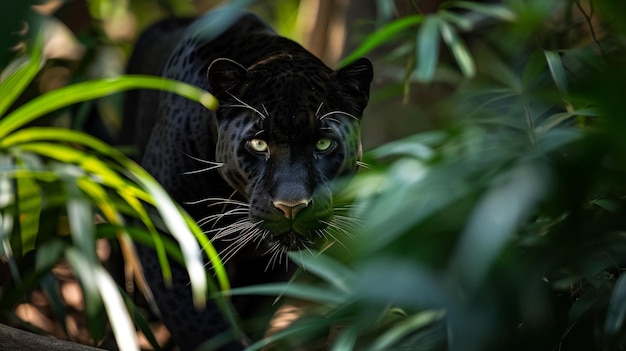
[[335, 239], [201, 170], [317, 112], [265, 109], [245, 105], [218, 216], [218, 201], [363, 165], [216, 164], [338, 113]]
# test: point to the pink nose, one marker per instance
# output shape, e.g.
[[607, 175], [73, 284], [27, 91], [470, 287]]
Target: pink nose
[[289, 208]]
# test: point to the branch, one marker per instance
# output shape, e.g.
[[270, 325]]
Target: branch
[[20, 340]]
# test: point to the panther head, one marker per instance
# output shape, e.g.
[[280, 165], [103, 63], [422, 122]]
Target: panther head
[[282, 140]]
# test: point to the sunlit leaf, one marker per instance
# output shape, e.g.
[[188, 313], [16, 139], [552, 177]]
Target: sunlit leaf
[[93, 164], [89, 90], [99, 286], [22, 73]]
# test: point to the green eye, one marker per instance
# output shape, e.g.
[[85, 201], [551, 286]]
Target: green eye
[[258, 145], [323, 144]]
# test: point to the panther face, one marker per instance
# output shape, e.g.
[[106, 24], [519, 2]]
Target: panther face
[[282, 140]]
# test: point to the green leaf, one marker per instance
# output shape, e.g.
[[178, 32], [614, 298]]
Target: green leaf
[[496, 217], [110, 178], [84, 269], [402, 329], [493, 10], [325, 267], [346, 340], [81, 219], [29, 207], [617, 307], [23, 72], [49, 285], [427, 49], [89, 90], [459, 50], [300, 291], [382, 36], [557, 70]]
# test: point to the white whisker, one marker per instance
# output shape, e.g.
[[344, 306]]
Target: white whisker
[[338, 113], [363, 165], [317, 112], [265, 110], [217, 164], [245, 105]]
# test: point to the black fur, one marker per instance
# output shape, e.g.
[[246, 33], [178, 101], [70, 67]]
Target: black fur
[[273, 91]]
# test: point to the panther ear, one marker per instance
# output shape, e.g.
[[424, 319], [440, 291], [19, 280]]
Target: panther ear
[[224, 74], [357, 76]]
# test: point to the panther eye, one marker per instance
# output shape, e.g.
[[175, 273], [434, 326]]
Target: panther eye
[[258, 145], [324, 144]]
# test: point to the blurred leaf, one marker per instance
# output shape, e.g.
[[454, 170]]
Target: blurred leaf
[[427, 49], [81, 219], [335, 273], [300, 291], [557, 138], [385, 10], [617, 308], [140, 321], [381, 36], [463, 22], [496, 217], [84, 268], [494, 10], [558, 119], [404, 328], [346, 340], [459, 50], [17, 76], [29, 207], [49, 285], [557, 70]]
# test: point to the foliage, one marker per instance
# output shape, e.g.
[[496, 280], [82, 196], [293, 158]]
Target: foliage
[[502, 229], [54, 177], [505, 228]]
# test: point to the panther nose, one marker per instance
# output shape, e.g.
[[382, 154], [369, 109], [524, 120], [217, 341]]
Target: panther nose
[[289, 208]]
